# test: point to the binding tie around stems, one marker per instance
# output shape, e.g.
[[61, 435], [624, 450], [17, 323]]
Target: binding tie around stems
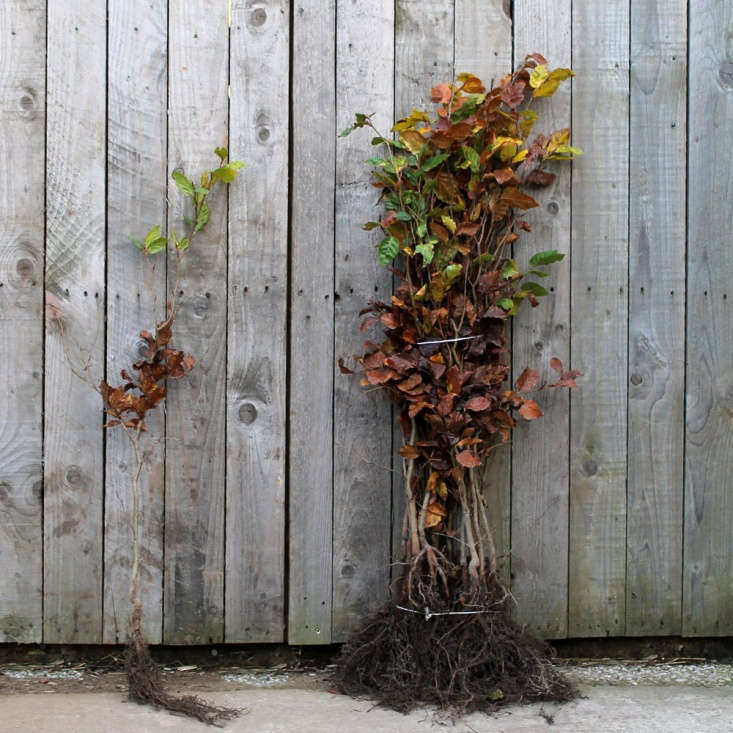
[[429, 614], [450, 341]]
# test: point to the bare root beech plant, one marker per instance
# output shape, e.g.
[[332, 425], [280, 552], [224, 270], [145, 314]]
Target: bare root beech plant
[[127, 406], [454, 188]]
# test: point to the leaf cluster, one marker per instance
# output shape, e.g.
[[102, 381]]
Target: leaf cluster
[[128, 403], [453, 188], [154, 242]]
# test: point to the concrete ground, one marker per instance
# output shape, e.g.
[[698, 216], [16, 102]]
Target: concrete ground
[[617, 698]]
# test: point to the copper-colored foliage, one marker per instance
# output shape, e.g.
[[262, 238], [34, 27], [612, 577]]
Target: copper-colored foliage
[[452, 186], [128, 403]]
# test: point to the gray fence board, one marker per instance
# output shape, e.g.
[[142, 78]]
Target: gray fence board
[[136, 187], [708, 553], [75, 263], [195, 406], [257, 324], [362, 438], [597, 540], [539, 487], [656, 317], [22, 118], [311, 324]]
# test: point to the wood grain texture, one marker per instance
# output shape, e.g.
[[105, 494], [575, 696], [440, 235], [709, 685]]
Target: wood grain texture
[[656, 317], [708, 552], [195, 448], [75, 296], [424, 54], [257, 327], [540, 469], [362, 444], [313, 143], [22, 122], [136, 201], [483, 46], [597, 541]]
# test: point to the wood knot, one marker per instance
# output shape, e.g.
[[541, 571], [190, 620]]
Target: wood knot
[[247, 413], [258, 17]]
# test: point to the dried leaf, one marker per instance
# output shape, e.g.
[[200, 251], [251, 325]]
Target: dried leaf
[[468, 459]]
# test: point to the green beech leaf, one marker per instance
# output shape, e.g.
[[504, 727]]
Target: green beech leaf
[[402, 216], [509, 270], [226, 174], [368, 226], [151, 236], [184, 185], [203, 216], [388, 249], [157, 245], [223, 153], [427, 251], [538, 273], [137, 243], [436, 160], [183, 244], [451, 273], [534, 288], [546, 258]]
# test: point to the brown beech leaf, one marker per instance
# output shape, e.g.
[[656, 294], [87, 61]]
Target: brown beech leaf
[[478, 404], [468, 459], [390, 320], [375, 360], [380, 376], [528, 380], [454, 382], [410, 383], [434, 514], [556, 364], [468, 229], [513, 94], [530, 410], [410, 452], [445, 405], [446, 188], [441, 93], [368, 323], [399, 363], [343, 368], [503, 175], [539, 178], [515, 198], [188, 362]]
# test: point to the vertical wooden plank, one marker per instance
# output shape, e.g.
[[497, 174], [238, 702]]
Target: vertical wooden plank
[[424, 54], [313, 143], [75, 296], [195, 486], [483, 46], [540, 470], [362, 443], [136, 191], [656, 317], [708, 552], [599, 216], [258, 294], [22, 117]]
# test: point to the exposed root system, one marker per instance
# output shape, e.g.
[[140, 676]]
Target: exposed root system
[[460, 663], [146, 687]]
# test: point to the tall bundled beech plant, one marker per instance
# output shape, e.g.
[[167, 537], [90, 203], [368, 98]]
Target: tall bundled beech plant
[[454, 188]]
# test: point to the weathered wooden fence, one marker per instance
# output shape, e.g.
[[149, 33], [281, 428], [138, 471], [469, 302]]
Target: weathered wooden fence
[[268, 504]]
